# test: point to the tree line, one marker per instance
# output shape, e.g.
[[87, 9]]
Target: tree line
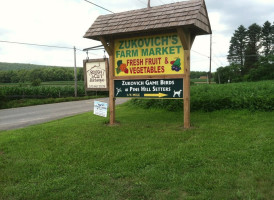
[[40, 74], [45, 74], [250, 55]]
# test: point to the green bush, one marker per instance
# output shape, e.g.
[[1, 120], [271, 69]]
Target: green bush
[[248, 95], [36, 82], [40, 92]]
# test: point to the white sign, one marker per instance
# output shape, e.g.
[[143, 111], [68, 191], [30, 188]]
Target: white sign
[[96, 75], [100, 108]]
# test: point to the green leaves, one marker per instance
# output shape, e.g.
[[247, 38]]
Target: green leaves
[[118, 70], [40, 92], [177, 62], [251, 96]]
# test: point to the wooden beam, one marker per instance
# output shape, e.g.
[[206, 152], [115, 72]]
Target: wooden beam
[[109, 48], [186, 89], [187, 40], [111, 84], [184, 36], [192, 40]]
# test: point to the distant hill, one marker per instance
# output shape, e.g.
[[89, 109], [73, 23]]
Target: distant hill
[[17, 66]]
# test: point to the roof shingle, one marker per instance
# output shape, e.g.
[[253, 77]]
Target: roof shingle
[[170, 16]]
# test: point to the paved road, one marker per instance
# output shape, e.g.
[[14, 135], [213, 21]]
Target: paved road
[[21, 117]]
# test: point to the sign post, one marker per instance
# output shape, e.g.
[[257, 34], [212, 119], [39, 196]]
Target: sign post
[[149, 88], [151, 44], [96, 75]]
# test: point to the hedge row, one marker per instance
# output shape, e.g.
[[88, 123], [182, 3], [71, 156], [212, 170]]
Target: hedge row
[[11, 93], [249, 95], [40, 92]]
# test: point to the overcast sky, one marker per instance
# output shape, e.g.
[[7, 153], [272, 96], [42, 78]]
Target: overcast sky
[[64, 22]]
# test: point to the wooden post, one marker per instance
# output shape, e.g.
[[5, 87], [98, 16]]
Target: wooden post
[[110, 50], [111, 90], [187, 40], [186, 89]]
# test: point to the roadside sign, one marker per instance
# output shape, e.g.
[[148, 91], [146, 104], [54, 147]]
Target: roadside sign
[[149, 55], [149, 88], [96, 74], [100, 108]]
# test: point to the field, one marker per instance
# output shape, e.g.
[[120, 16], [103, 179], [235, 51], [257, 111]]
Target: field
[[246, 95], [197, 80], [225, 155], [18, 95]]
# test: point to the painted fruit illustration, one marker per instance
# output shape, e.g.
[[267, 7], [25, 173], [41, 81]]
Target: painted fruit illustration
[[176, 65], [121, 67]]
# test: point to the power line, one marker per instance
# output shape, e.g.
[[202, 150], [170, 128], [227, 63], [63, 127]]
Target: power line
[[142, 2], [161, 1], [99, 6], [219, 60], [40, 45], [200, 53]]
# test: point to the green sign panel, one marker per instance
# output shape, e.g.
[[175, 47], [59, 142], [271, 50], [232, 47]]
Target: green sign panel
[[149, 88]]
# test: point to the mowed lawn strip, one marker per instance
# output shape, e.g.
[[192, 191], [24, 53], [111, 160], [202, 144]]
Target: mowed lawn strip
[[226, 155]]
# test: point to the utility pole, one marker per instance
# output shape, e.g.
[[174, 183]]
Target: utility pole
[[148, 4], [75, 73], [209, 75]]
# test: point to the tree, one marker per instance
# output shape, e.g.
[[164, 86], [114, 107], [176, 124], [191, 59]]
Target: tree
[[264, 71], [238, 46], [228, 74], [36, 74], [267, 38], [253, 46]]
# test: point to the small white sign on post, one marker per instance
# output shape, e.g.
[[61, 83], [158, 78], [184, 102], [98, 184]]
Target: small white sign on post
[[96, 74], [100, 108]]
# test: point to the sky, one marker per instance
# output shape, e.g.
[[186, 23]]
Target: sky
[[64, 23]]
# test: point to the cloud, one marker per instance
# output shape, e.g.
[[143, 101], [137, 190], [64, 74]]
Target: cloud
[[64, 22], [234, 13]]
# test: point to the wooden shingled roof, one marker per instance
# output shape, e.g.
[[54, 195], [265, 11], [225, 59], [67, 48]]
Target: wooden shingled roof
[[189, 14]]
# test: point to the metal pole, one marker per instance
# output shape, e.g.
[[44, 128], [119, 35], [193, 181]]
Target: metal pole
[[148, 4], [75, 73]]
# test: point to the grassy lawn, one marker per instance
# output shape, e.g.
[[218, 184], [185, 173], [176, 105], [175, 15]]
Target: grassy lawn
[[227, 155]]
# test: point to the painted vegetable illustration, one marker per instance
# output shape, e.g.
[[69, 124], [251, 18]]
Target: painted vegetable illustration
[[176, 65], [121, 67]]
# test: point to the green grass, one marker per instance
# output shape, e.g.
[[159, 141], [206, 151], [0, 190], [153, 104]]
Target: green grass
[[227, 155]]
